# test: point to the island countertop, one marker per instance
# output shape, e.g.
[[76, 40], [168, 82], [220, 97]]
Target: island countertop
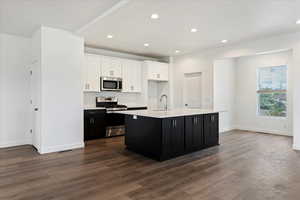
[[169, 113]]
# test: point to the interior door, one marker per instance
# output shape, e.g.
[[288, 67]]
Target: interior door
[[35, 104], [192, 90]]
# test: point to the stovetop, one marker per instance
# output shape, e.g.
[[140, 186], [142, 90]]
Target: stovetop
[[111, 104]]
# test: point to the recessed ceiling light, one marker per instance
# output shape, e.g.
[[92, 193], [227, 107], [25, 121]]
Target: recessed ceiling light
[[146, 45], [177, 51], [154, 16], [194, 30], [109, 36], [224, 41], [298, 21]]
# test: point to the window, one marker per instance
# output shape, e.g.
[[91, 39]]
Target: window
[[272, 91]]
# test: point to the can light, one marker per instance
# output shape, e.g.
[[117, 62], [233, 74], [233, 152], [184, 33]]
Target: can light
[[154, 16], [224, 41]]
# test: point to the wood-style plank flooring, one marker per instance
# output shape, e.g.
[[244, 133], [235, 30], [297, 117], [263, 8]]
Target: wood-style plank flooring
[[246, 166]]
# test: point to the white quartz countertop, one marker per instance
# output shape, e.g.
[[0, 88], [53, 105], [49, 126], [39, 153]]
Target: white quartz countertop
[[94, 108], [103, 108], [169, 113]]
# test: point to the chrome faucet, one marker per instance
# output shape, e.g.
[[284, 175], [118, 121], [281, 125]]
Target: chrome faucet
[[166, 104]]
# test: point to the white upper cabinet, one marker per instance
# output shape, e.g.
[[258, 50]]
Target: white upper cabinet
[[111, 67], [132, 76], [157, 71], [92, 69]]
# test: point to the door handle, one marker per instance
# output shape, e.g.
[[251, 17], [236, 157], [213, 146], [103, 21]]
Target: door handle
[[36, 109]]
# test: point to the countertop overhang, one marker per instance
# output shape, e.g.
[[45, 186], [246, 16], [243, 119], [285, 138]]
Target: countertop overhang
[[169, 113]]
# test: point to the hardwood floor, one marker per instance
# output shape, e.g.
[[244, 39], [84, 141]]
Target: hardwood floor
[[246, 166]]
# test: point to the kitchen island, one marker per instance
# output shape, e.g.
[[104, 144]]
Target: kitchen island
[[163, 135]]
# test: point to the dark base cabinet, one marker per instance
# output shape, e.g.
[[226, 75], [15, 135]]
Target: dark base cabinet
[[194, 133], [211, 130], [166, 138], [172, 137], [94, 124]]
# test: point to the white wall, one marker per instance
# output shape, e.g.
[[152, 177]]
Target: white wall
[[129, 99], [203, 60], [14, 91], [225, 92], [193, 64], [61, 89], [246, 96]]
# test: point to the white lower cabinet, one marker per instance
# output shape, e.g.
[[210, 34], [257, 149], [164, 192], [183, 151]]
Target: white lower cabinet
[[92, 69], [132, 76]]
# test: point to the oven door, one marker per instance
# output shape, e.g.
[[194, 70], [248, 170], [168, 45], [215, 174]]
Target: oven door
[[111, 84]]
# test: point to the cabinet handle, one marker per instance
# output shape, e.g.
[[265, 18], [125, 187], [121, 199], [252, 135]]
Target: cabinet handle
[[212, 118], [195, 121], [91, 120], [175, 122]]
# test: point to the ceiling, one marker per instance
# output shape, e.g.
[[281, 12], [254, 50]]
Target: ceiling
[[131, 25], [23, 17]]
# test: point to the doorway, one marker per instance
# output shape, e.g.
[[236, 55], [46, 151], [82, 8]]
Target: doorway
[[192, 93]]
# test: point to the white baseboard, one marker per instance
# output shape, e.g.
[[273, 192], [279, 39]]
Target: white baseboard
[[223, 130], [296, 147], [5, 144], [61, 148], [275, 132]]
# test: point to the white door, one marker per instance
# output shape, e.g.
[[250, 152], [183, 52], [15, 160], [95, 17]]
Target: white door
[[192, 90], [35, 104]]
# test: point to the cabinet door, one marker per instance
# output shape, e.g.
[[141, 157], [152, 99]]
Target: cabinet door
[[194, 138], [157, 71], [151, 70], [163, 71], [94, 125], [137, 77], [92, 70], [173, 137], [211, 130], [131, 76], [111, 67]]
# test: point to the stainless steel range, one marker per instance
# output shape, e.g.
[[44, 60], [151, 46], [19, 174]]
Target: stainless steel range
[[115, 122], [110, 103]]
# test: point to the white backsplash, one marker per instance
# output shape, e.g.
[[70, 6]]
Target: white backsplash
[[128, 99]]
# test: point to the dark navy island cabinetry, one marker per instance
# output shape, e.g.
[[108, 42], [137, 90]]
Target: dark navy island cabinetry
[[168, 137]]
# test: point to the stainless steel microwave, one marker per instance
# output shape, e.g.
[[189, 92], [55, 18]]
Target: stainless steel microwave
[[111, 84]]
